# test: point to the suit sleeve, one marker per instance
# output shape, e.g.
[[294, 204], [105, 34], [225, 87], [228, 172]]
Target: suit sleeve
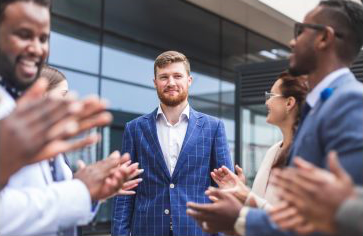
[[350, 215], [36, 211], [220, 151], [343, 131], [258, 223], [123, 206]]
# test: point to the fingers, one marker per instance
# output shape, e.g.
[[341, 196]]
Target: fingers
[[34, 92], [126, 192], [93, 121], [240, 174], [58, 146], [195, 207], [136, 172], [131, 184], [286, 216], [81, 165], [335, 167], [301, 163]]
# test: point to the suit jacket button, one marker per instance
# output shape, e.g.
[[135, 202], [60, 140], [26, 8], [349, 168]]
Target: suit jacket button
[[172, 186], [166, 212]]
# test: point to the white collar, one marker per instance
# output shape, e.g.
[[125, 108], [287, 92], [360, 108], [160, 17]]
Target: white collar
[[185, 112], [314, 95]]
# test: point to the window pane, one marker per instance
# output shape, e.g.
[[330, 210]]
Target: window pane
[[205, 87], [262, 49], [68, 48], [124, 97], [166, 25], [234, 44], [228, 92], [210, 108], [83, 84], [119, 62], [257, 137], [85, 11]]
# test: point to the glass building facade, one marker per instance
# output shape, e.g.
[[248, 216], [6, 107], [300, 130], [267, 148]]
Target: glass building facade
[[108, 47]]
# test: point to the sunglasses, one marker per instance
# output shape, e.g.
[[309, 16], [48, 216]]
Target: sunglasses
[[299, 29], [271, 95]]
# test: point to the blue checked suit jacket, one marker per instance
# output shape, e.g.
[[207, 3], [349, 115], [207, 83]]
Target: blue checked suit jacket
[[204, 148], [334, 124]]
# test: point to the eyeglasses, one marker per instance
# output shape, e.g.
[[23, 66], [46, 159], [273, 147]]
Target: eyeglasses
[[271, 95], [299, 29]]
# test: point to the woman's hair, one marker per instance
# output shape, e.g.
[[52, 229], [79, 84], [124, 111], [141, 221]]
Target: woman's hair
[[53, 76], [297, 88]]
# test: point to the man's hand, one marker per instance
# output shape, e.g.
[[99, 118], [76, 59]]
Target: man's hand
[[315, 193], [27, 130], [231, 183], [106, 178], [219, 216]]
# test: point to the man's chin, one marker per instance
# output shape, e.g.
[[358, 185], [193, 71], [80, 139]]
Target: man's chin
[[22, 82]]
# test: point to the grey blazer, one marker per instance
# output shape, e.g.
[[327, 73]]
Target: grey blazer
[[335, 124], [350, 216]]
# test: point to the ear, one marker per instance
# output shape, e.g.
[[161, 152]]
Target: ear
[[290, 103], [190, 80], [154, 80], [327, 38]]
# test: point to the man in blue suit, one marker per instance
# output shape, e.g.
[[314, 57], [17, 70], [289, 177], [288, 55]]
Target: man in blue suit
[[177, 147], [324, 46]]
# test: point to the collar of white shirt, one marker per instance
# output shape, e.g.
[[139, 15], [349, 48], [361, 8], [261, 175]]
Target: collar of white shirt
[[313, 97], [185, 113]]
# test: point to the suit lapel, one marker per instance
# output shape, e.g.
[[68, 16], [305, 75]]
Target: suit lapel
[[149, 128], [195, 125], [305, 126]]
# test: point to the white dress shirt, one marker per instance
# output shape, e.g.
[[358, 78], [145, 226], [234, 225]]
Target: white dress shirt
[[171, 137], [7, 103], [32, 204], [314, 95]]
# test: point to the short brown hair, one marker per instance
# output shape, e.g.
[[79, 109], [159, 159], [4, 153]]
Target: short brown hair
[[169, 57], [53, 76]]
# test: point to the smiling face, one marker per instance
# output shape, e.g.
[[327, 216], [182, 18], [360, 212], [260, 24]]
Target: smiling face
[[24, 34], [172, 83], [276, 106]]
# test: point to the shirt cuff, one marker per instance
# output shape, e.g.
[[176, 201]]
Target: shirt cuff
[[240, 225]]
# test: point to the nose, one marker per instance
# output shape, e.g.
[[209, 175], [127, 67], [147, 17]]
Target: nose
[[171, 81], [36, 48], [292, 43]]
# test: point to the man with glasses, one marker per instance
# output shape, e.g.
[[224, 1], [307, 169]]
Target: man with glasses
[[325, 45]]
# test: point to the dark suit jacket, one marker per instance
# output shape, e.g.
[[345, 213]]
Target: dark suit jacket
[[204, 148]]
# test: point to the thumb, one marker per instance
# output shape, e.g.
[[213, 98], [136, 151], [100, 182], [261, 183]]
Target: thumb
[[36, 91], [334, 165], [81, 165]]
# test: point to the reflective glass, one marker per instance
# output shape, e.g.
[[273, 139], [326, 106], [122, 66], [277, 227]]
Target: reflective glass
[[129, 98], [257, 137], [83, 84], [166, 25], [120, 63], [74, 47], [85, 11]]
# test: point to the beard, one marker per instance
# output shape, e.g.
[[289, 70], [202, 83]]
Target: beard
[[172, 101], [7, 72], [304, 63]]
